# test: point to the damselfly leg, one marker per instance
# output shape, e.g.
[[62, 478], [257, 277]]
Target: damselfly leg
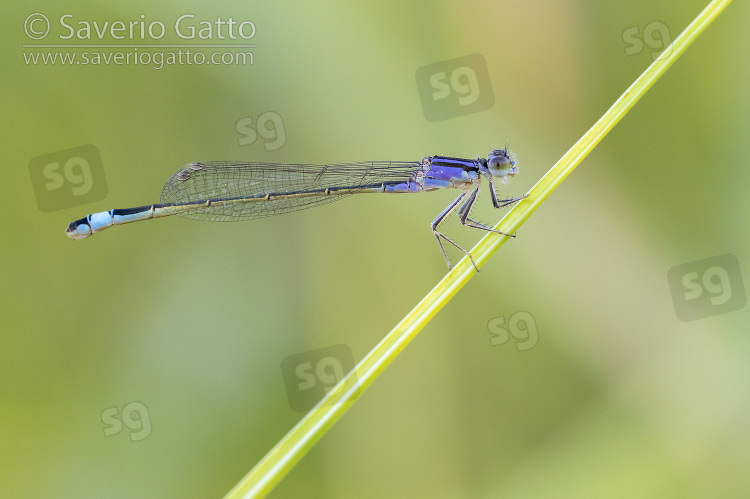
[[463, 216]]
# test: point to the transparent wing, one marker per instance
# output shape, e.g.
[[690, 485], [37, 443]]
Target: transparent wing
[[244, 188]]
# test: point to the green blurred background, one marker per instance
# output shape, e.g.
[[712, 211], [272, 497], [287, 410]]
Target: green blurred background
[[619, 398]]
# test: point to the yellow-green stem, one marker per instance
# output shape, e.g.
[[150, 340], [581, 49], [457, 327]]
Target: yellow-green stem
[[282, 458]]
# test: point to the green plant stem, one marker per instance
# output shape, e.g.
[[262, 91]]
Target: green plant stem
[[290, 449]]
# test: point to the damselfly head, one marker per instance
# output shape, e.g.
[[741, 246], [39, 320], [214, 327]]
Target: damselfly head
[[500, 165]]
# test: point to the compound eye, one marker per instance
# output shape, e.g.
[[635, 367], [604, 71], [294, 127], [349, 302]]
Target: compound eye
[[498, 161], [500, 165]]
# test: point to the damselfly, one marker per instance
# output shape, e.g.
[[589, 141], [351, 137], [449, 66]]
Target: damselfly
[[225, 191]]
